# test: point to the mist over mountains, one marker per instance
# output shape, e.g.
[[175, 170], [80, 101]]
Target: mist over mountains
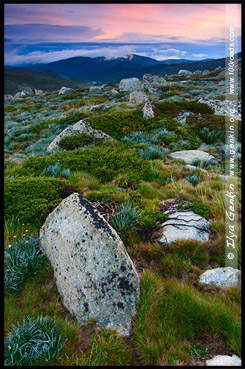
[[86, 70]]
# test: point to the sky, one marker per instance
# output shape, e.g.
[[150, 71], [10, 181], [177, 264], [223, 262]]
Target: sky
[[41, 33]]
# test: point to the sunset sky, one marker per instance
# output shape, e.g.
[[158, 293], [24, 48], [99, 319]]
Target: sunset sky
[[49, 32]]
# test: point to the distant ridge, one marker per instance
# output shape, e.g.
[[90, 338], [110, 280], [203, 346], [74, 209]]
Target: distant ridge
[[100, 69]]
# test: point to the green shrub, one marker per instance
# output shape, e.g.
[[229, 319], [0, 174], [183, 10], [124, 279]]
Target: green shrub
[[33, 342], [31, 198], [9, 109], [170, 109], [120, 124], [75, 141], [22, 260], [105, 162]]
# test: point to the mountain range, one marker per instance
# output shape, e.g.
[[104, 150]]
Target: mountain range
[[85, 70]]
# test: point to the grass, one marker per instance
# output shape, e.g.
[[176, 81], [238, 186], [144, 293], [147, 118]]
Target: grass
[[172, 313]]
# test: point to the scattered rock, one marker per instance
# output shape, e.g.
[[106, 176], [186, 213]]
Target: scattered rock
[[94, 274], [184, 72], [221, 277], [114, 91], [181, 117], [197, 72], [185, 225], [224, 360], [223, 107], [66, 91], [189, 155], [95, 90], [151, 80], [191, 167], [137, 97], [80, 127], [148, 110], [205, 72], [130, 84], [8, 97], [38, 92]]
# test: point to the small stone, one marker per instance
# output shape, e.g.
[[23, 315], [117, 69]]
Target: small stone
[[189, 155], [221, 277], [224, 360], [148, 110], [66, 91], [184, 225]]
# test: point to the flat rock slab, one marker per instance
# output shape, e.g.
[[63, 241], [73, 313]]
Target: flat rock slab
[[221, 277], [82, 126], [224, 360], [94, 274], [189, 155], [185, 225]]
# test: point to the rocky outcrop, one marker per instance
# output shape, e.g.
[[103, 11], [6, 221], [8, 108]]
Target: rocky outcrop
[[152, 80], [82, 126], [223, 107], [221, 277], [130, 84], [184, 72], [137, 97], [95, 90], [224, 360], [184, 225], [66, 91], [197, 72], [148, 110], [94, 274], [189, 155]]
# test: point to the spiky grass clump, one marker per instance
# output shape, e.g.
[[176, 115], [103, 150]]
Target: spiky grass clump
[[127, 217], [33, 342], [194, 180], [22, 260], [56, 170]]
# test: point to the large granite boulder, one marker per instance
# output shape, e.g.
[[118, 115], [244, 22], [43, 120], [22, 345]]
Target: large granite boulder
[[137, 97], [130, 84], [184, 72], [223, 107], [94, 90], [94, 274], [224, 360], [152, 80], [221, 277], [82, 126], [66, 91], [189, 155], [148, 110], [185, 225]]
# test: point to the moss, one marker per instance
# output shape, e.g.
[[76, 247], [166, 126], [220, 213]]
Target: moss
[[105, 162], [31, 199], [75, 141]]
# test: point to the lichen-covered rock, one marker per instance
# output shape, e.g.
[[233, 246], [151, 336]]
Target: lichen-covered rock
[[224, 360], [148, 110], [221, 277], [223, 107], [152, 80], [95, 90], [66, 91], [82, 126], [137, 97], [130, 84], [189, 155], [185, 225], [94, 274], [184, 72]]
